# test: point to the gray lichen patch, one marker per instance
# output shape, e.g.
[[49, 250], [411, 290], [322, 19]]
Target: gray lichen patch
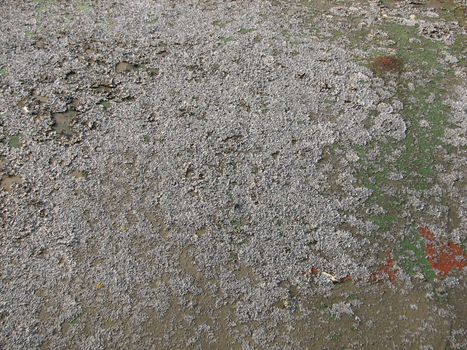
[[230, 174], [390, 125]]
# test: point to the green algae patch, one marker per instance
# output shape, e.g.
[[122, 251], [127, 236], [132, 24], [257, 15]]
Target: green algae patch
[[428, 116], [220, 24], [425, 113], [246, 30], [227, 39], [411, 257], [385, 222], [394, 169], [74, 322], [84, 7], [15, 141], [44, 4]]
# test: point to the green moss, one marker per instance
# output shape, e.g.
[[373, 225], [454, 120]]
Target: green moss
[[458, 47], [337, 34], [336, 337], [246, 30], [385, 222], [220, 24], [455, 13], [15, 141], [416, 156], [411, 257], [414, 53], [357, 39], [85, 7], [237, 224], [226, 40], [43, 4], [417, 162]]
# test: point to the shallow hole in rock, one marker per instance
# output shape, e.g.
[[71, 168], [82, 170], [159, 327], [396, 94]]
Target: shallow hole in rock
[[153, 71], [40, 98], [201, 231], [128, 99], [39, 44], [105, 88], [124, 67], [8, 182], [70, 75], [63, 121], [78, 174]]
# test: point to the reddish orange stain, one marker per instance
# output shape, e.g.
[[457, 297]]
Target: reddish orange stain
[[387, 271], [443, 257], [314, 271], [425, 232], [387, 64]]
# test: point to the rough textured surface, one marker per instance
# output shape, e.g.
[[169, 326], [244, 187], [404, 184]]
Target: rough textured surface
[[207, 174]]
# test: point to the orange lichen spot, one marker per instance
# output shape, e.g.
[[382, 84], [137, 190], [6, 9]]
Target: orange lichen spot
[[311, 272], [387, 64], [443, 257], [314, 271], [426, 233], [388, 271]]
